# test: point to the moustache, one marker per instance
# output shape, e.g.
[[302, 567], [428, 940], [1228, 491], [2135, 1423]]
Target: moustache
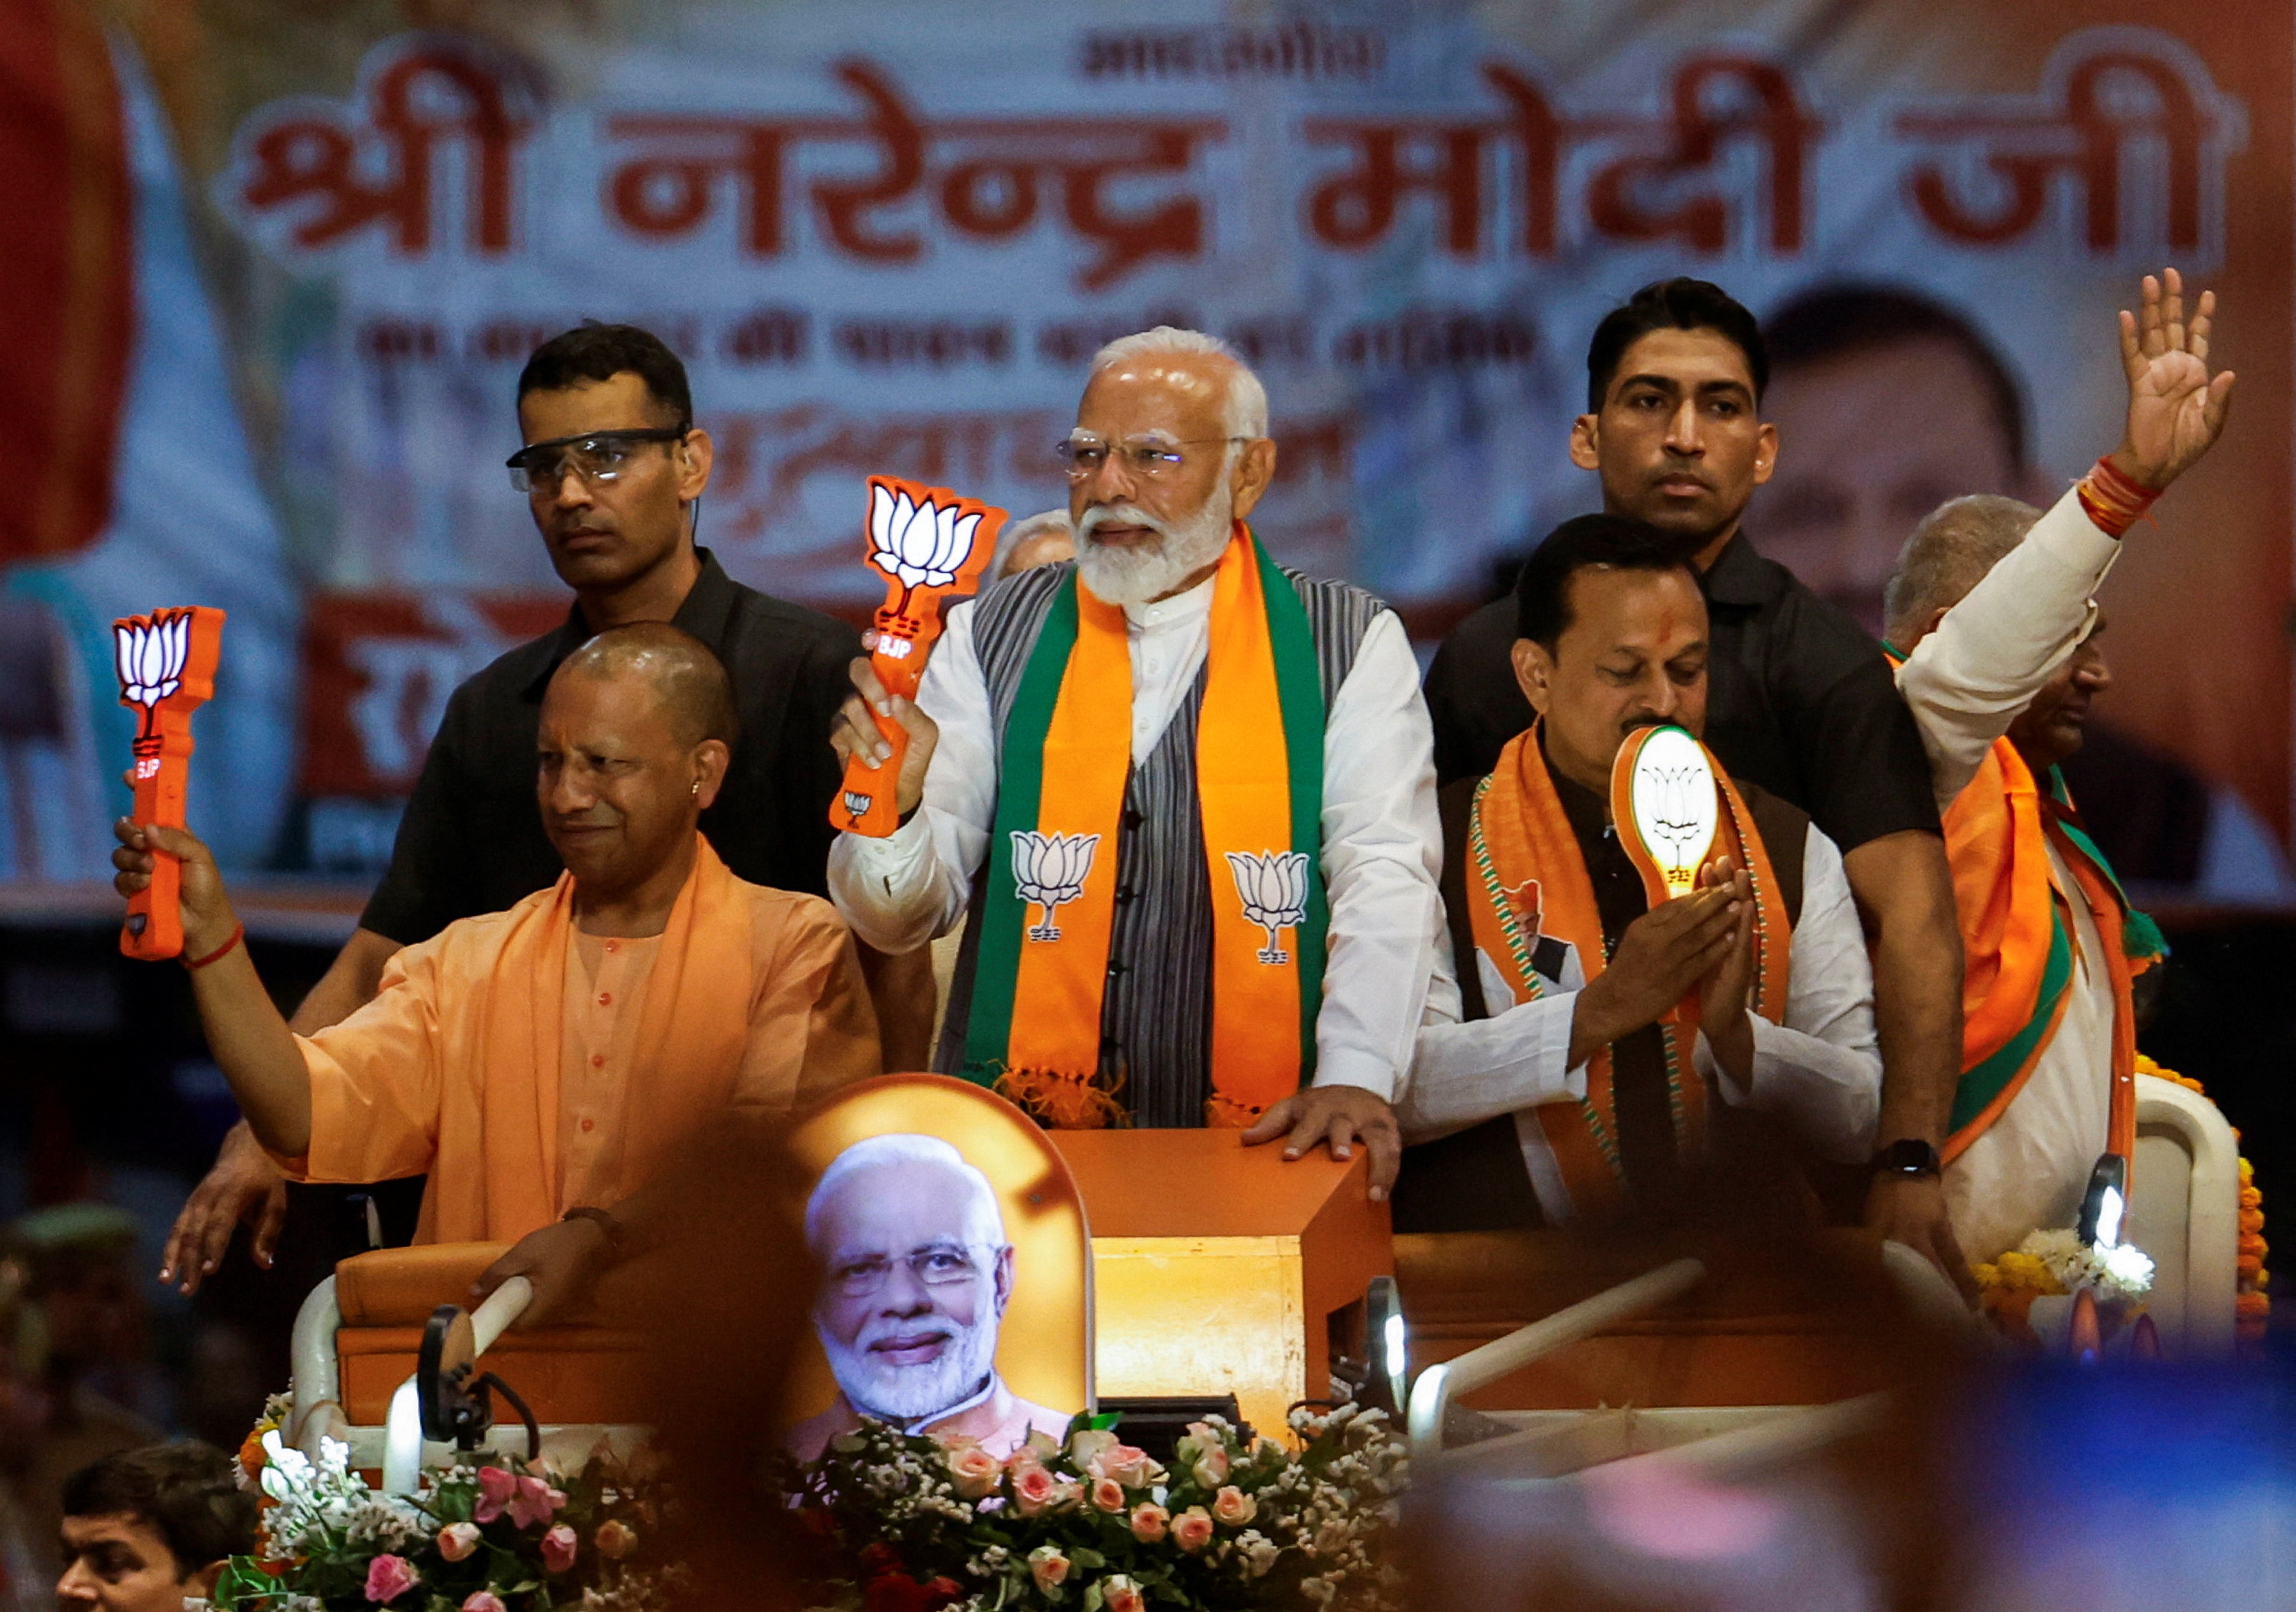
[[1118, 514]]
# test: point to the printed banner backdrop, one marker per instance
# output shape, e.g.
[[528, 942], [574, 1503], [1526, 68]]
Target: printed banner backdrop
[[887, 237]]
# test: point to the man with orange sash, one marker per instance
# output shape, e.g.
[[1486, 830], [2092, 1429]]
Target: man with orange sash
[[1993, 620], [1186, 796], [543, 1064], [1561, 1073]]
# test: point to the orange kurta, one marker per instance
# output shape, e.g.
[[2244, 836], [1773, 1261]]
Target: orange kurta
[[754, 1001]]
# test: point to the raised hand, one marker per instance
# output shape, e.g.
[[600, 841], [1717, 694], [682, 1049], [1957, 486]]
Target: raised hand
[[2176, 410], [207, 920], [1660, 957], [1722, 993], [855, 732]]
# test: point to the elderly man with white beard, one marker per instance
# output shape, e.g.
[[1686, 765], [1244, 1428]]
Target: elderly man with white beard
[[916, 1277], [1186, 796]]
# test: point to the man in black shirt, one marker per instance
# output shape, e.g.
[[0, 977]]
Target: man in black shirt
[[613, 469], [1800, 701]]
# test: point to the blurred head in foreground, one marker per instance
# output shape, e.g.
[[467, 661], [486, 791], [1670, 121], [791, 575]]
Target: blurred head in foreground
[[145, 1528]]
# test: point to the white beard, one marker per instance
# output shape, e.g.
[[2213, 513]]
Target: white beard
[[910, 1394], [1135, 576]]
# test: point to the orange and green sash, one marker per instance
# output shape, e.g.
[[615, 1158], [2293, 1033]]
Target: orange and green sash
[[2019, 943], [1049, 907], [1526, 877]]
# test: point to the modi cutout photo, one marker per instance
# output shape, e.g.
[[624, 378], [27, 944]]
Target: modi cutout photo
[[920, 1274]]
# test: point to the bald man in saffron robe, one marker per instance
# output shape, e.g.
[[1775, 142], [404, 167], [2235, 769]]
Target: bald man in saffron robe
[[543, 1064]]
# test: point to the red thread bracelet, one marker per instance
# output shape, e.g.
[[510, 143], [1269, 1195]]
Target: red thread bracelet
[[238, 934]]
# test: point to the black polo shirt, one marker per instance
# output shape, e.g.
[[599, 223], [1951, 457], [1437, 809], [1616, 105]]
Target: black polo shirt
[[471, 839], [1799, 699]]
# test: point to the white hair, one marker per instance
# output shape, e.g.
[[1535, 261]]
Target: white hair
[[877, 1152], [1244, 410], [1018, 532]]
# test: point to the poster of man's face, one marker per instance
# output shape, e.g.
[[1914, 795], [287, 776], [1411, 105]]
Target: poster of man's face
[[917, 1274]]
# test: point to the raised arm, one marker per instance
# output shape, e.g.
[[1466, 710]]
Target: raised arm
[[246, 1036]]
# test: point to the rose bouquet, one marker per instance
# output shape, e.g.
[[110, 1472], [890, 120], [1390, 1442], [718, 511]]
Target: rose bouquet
[[486, 1534], [1093, 1525]]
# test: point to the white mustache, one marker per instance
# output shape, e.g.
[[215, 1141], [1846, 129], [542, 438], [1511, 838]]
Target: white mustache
[[1118, 514]]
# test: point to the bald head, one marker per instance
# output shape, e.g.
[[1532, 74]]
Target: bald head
[[1948, 555], [686, 679]]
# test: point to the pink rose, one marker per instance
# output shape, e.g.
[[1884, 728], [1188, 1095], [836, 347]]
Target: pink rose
[[1048, 1567], [1119, 1594], [558, 1548], [1233, 1507], [1088, 1445], [1192, 1529], [975, 1471], [389, 1577], [534, 1502], [484, 1600], [615, 1539], [497, 1486], [1034, 1490], [1210, 1469], [457, 1541], [1150, 1522], [1108, 1494]]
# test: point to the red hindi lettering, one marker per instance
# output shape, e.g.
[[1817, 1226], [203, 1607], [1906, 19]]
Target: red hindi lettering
[[1766, 109], [317, 157]]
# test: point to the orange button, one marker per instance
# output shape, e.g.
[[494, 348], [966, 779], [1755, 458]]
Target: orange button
[[589, 1124], [613, 947], [597, 1062], [606, 999]]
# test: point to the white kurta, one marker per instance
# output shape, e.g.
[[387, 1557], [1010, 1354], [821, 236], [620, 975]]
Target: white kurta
[[1820, 1071], [1382, 844], [1966, 682]]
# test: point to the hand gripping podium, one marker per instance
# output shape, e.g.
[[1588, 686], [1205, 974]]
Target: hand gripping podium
[[1223, 1269]]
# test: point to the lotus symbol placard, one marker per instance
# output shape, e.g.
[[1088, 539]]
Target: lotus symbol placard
[[150, 656], [1677, 805], [1050, 870], [921, 545], [1273, 885]]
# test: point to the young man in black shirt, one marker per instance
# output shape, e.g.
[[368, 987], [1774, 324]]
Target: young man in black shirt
[[613, 469], [1800, 700]]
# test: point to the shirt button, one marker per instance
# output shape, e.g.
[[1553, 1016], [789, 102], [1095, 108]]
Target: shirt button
[[606, 999], [613, 947], [597, 1062], [589, 1124], [1115, 968]]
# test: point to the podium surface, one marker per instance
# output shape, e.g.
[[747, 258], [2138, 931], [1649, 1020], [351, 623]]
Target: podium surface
[[1223, 1269]]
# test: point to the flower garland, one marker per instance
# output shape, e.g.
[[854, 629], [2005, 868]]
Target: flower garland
[[1094, 1524], [2252, 1299], [486, 1534]]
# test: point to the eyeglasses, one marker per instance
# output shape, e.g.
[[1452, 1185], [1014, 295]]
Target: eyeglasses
[[595, 456], [942, 1265], [1145, 457]]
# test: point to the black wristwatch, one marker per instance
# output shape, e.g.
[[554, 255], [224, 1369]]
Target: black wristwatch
[[1908, 1157]]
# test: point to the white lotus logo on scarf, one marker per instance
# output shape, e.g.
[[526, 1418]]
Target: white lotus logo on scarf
[[924, 544], [1273, 884], [1050, 870], [149, 660]]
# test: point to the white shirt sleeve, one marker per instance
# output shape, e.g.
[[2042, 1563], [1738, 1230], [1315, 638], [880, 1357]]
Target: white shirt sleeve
[[1967, 681], [900, 892], [1382, 848], [1463, 1074], [1821, 1070]]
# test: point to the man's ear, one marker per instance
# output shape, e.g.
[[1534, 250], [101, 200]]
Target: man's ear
[[1004, 1280], [1255, 468], [1534, 671], [1766, 453], [710, 760], [695, 456], [1586, 442]]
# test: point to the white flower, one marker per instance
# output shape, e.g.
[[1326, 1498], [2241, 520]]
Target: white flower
[[1274, 886], [150, 655], [1050, 870], [921, 543]]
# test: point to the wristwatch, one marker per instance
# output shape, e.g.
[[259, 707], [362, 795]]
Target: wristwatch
[[1908, 1157], [613, 1229]]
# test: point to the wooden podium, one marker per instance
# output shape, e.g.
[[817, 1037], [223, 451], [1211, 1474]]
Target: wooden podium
[[1223, 1269]]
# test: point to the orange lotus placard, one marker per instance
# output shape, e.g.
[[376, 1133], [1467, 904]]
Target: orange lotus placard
[[167, 666], [932, 544]]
